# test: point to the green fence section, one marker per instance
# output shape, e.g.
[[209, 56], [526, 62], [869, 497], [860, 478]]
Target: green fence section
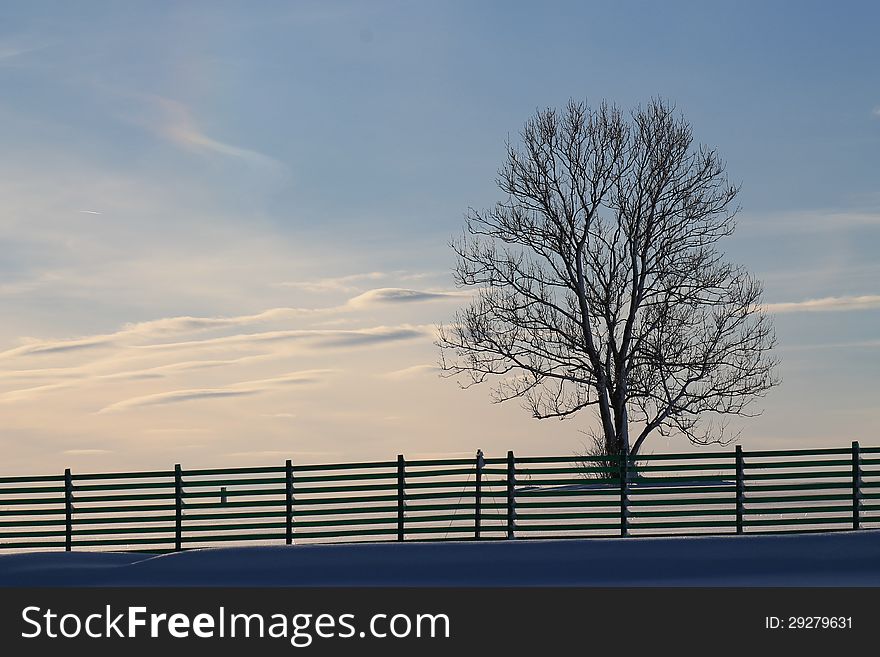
[[508, 497]]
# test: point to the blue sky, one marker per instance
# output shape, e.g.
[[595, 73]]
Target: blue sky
[[279, 172]]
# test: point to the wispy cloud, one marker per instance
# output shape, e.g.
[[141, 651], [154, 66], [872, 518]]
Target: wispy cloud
[[186, 324], [154, 329], [72, 377], [411, 372], [11, 52], [167, 354], [335, 284], [855, 344], [353, 282], [86, 452], [175, 122], [32, 283], [876, 111], [269, 345], [810, 221], [38, 347], [316, 338], [827, 304], [281, 453], [175, 431], [260, 454], [8, 52], [41, 373], [145, 332], [837, 272], [388, 295], [241, 389]]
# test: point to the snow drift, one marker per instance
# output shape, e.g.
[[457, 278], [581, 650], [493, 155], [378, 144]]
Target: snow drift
[[834, 559]]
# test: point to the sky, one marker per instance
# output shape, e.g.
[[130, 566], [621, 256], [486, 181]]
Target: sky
[[224, 226]]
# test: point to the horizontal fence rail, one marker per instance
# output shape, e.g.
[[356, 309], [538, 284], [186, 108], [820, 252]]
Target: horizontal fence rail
[[485, 498]]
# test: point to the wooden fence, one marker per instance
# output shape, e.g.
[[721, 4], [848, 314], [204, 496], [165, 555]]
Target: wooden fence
[[511, 497]]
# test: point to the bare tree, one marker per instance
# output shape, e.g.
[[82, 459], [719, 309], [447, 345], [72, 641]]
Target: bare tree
[[598, 282]]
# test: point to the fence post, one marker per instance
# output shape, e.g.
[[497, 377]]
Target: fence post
[[288, 502], [740, 489], [478, 494], [68, 510], [511, 494], [178, 507], [401, 494], [624, 497], [856, 484]]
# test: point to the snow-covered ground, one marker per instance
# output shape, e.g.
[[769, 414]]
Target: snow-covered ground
[[839, 559]]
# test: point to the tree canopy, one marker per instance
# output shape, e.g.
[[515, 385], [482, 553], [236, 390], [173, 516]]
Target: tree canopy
[[599, 283]]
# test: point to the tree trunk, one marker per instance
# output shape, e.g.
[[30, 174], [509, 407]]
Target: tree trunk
[[621, 421], [623, 432]]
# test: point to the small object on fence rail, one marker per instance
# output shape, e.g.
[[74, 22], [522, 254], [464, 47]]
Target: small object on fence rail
[[511, 494], [624, 498], [401, 484], [68, 510], [856, 484], [478, 493], [178, 507], [740, 489], [288, 502], [223, 497]]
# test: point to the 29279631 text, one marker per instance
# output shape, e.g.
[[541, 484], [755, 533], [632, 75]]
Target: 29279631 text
[[808, 622]]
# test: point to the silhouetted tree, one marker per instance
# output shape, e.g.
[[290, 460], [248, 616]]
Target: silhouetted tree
[[599, 284]]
